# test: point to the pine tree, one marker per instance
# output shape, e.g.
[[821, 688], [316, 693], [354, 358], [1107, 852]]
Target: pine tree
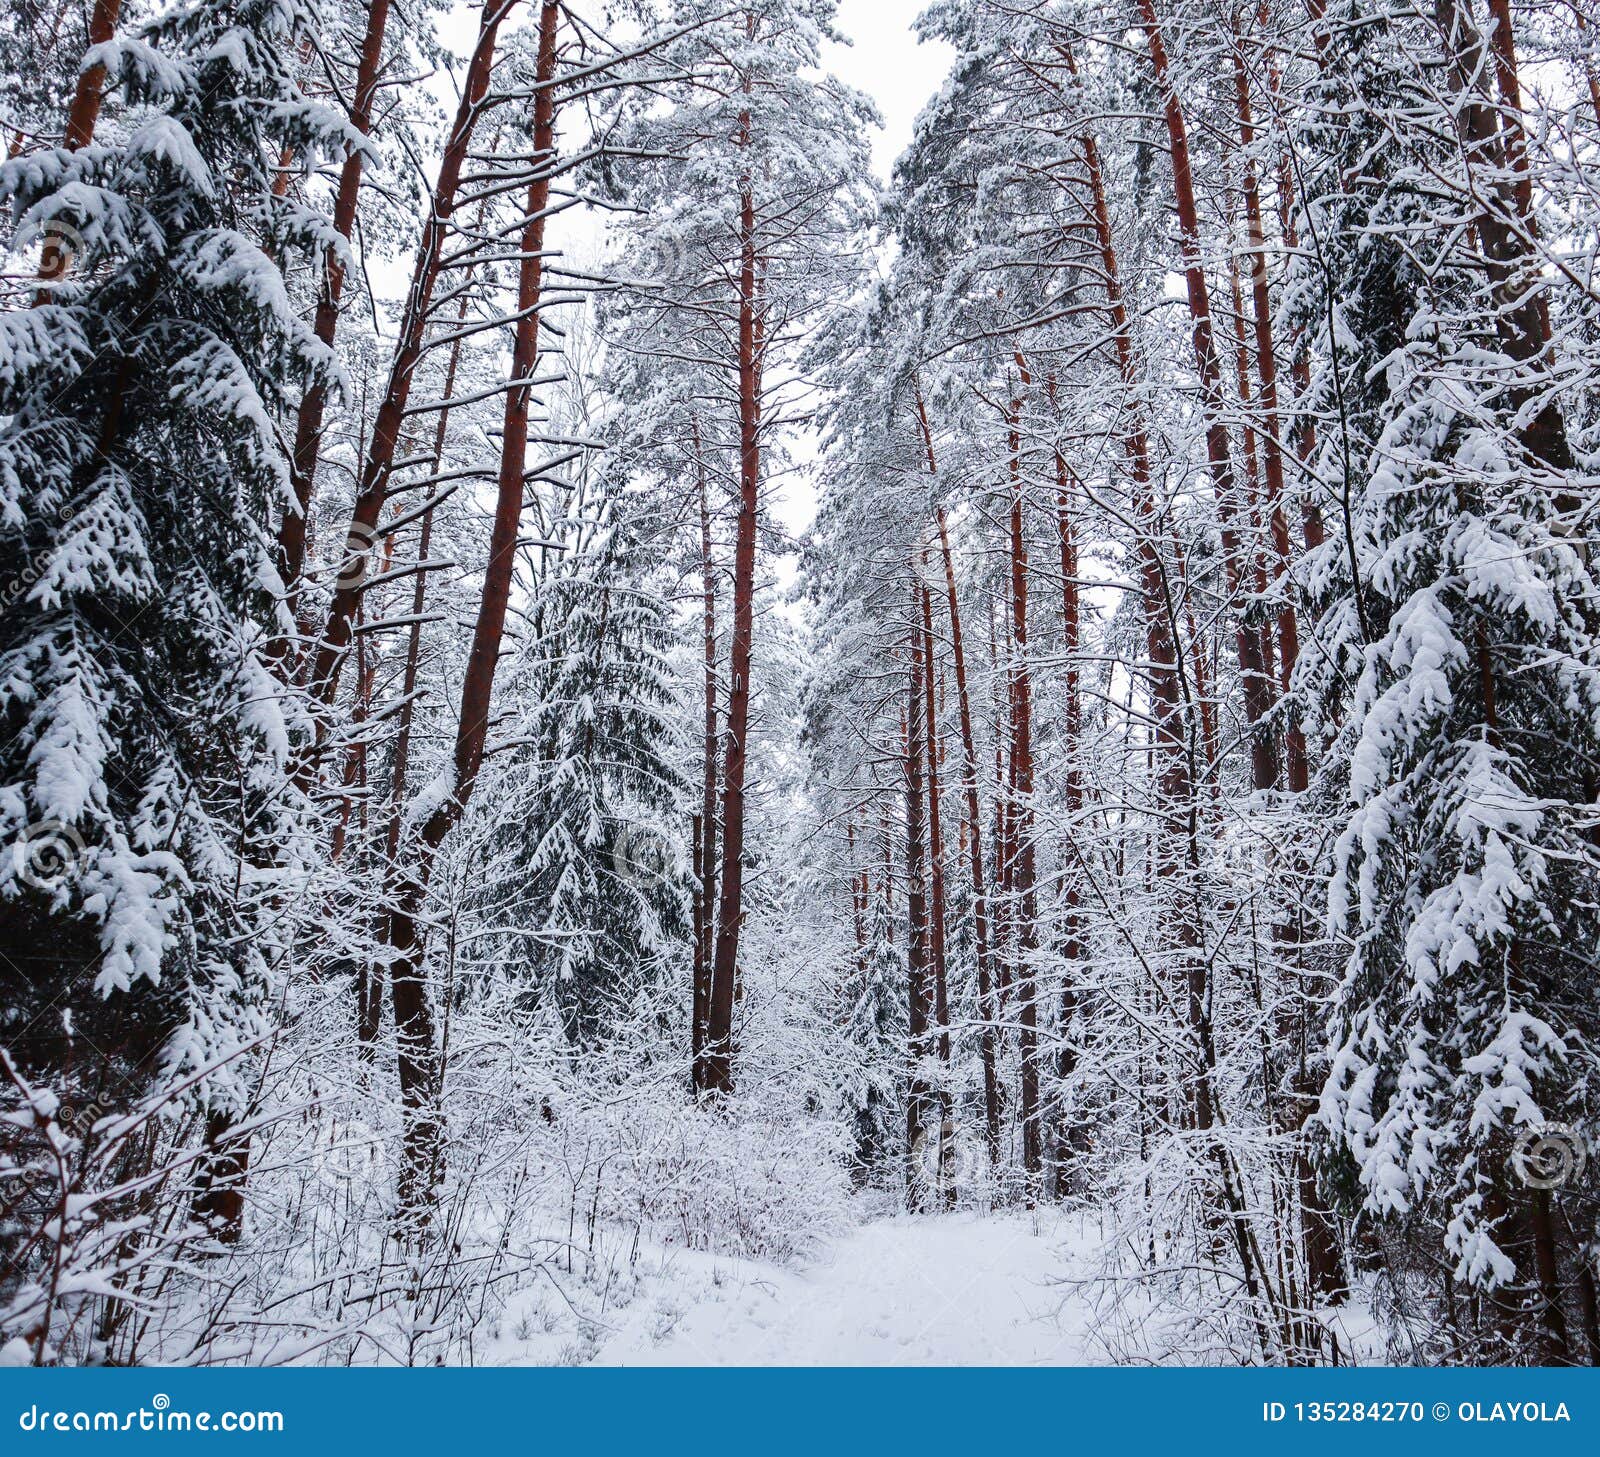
[[752, 238], [1473, 743]]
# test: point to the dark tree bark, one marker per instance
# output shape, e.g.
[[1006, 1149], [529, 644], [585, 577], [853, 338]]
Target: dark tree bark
[[1258, 686], [983, 951], [1176, 845], [1069, 1133], [936, 947], [919, 1100], [371, 981], [1019, 697], [1495, 145]]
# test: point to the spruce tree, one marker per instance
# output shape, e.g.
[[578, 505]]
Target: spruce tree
[[145, 802]]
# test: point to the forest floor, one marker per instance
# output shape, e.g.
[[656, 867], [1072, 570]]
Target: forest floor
[[957, 1289]]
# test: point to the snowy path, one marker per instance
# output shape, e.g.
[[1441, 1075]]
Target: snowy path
[[936, 1290]]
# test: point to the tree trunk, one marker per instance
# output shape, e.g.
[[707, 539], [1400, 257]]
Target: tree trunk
[[1592, 79], [370, 987], [1176, 781], [84, 111], [730, 911], [308, 422], [1258, 688], [1522, 314], [374, 486], [706, 836], [936, 948], [1317, 1232], [974, 830], [418, 1058], [1069, 1133], [1020, 704], [220, 1185], [1296, 770], [918, 937]]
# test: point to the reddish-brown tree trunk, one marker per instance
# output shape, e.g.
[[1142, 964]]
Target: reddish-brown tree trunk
[[1312, 531], [1024, 895], [370, 984], [1296, 768], [82, 113], [706, 828], [974, 830], [1318, 1237], [919, 1102], [1592, 79], [417, 1053], [1522, 315], [374, 487], [730, 910], [1068, 1133], [1004, 913], [308, 422], [1176, 779], [936, 943], [1257, 684]]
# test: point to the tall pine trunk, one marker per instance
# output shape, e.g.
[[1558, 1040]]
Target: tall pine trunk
[[730, 910], [370, 984], [936, 944], [308, 421], [1176, 837], [1068, 1132], [417, 1053], [1019, 699], [1257, 684], [919, 1101], [374, 486], [82, 115], [705, 906]]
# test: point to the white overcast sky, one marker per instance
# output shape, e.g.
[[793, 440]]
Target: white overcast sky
[[886, 62], [883, 58]]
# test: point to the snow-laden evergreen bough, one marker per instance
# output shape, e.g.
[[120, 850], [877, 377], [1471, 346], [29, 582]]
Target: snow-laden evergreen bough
[[1457, 677], [149, 823], [1464, 869]]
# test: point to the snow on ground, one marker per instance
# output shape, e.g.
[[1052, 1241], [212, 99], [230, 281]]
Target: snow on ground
[[957, 1289]]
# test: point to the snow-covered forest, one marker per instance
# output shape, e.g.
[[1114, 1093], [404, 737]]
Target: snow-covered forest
[[599, 706]]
